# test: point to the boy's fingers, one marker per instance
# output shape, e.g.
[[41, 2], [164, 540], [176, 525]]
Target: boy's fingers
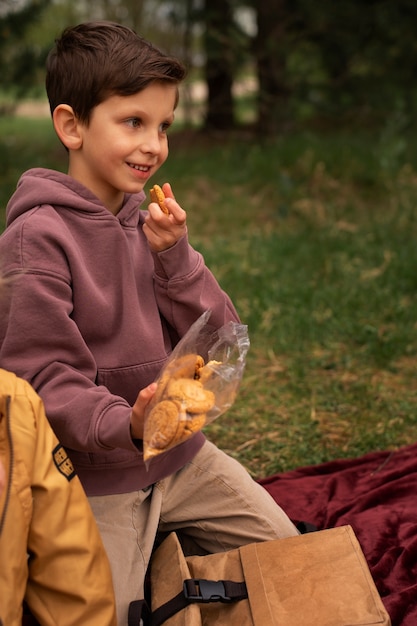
[[167, 189], [146, 394]]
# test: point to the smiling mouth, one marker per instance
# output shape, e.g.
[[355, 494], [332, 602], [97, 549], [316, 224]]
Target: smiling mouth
[[140, 168]]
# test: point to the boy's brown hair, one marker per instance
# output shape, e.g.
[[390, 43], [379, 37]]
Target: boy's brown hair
[[95, 60]]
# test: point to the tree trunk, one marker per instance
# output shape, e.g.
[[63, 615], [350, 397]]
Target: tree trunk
[[218, 42], [271, 64]]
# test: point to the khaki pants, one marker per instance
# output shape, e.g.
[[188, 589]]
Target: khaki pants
[[212, 503]]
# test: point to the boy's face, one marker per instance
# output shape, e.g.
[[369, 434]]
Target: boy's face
[[124, 144]]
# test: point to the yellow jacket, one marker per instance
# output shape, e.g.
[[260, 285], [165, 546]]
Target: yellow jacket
[[51, 553]]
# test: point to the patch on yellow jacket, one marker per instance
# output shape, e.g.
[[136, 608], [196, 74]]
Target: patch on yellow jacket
[[63, 462]]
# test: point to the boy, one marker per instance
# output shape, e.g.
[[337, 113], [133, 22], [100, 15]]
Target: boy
[[104, 292]]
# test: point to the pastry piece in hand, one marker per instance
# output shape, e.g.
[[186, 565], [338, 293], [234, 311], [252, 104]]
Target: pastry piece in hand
[[164, 424], [186, 366], [158, 196], [193, 424], [180, 404], [191, 395], [207, 371]]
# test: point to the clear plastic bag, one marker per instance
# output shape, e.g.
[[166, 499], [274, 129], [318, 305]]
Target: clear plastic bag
[[198, 383]]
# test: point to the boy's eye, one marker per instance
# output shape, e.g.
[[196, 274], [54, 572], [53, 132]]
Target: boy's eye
[[134, 122], [164, 127]]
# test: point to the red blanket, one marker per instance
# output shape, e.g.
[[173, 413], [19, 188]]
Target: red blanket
[[377, 495]]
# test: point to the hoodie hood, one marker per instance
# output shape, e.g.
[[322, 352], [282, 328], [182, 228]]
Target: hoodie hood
[[40, 186]]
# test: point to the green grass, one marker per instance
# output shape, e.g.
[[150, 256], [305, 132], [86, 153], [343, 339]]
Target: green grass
[[24, 143], [314, 237]]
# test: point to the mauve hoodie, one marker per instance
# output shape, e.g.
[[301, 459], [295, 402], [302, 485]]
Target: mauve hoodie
[[93, 316]]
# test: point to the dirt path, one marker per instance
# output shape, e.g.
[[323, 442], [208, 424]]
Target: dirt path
[[33, 108]]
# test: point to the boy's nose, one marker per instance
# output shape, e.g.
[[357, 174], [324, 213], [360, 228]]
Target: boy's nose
[[151, 143]]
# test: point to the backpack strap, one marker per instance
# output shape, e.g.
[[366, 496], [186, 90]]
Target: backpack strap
[[139, 610], [201, 591]]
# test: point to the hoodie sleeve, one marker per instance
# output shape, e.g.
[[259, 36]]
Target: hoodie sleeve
[[185, 288], [44, 346], [42, 343]]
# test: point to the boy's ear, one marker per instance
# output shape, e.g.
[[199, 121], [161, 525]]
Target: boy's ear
[[67, 126]]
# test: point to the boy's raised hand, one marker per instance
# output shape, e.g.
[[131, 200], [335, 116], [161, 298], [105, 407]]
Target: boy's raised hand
[[163, 231]]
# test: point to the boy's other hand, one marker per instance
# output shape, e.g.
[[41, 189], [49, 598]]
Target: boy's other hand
[[137, 418], [163, 231]]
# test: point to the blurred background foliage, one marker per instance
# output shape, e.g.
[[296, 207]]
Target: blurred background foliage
[[296, 159], [346, 62]]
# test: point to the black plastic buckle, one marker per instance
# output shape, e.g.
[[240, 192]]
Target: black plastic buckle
[[201, 590]]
